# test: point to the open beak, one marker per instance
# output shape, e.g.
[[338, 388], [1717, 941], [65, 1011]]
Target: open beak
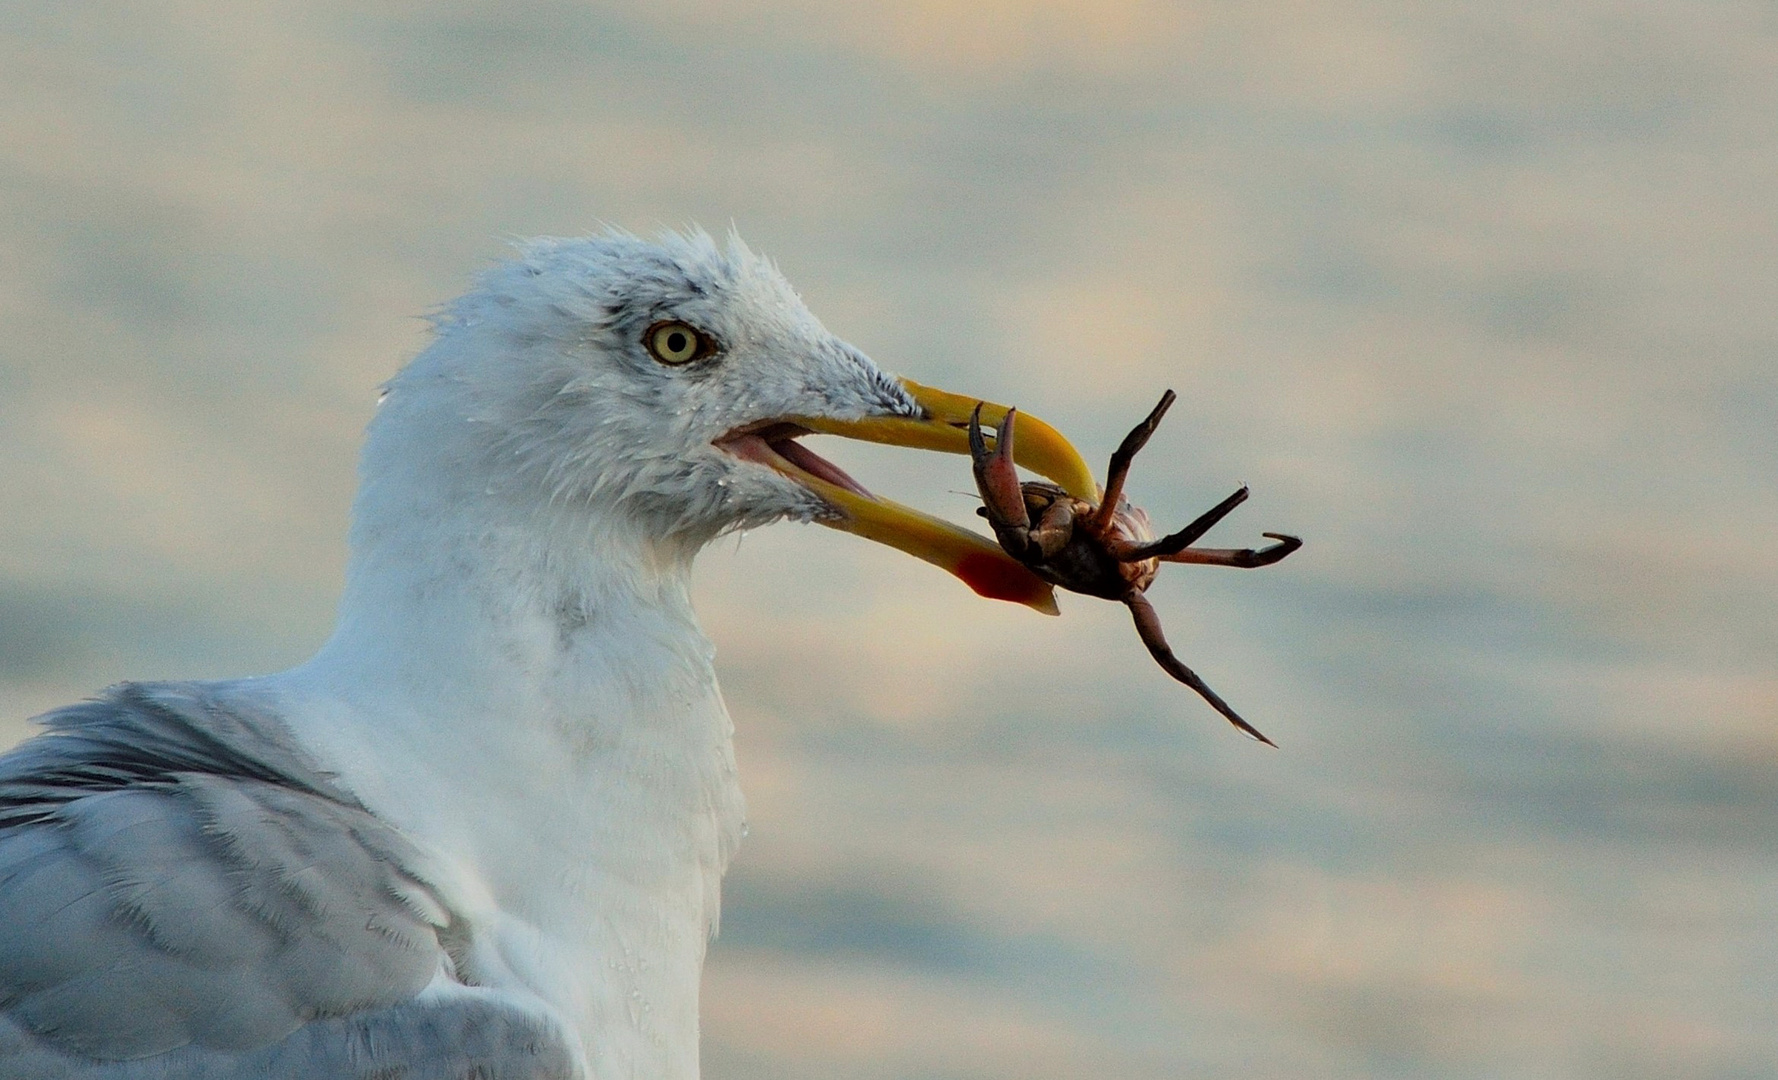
[[974, 558]]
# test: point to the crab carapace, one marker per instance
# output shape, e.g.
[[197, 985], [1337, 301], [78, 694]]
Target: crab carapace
[[1107, 549]]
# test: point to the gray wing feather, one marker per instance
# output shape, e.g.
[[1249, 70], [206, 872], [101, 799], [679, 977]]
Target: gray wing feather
[[460, 1040], [183, 893]]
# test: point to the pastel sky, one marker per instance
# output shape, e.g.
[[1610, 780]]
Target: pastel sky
[[1482, 300]]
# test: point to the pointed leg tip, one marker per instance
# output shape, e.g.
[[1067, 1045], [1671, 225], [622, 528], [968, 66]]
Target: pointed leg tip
[[1286, 545], [1241, 725], [1160, 410]]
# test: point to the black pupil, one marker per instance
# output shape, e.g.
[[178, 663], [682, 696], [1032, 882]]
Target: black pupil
[[676, 342]]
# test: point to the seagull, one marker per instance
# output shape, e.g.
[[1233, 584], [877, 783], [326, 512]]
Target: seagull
[[482, 832]]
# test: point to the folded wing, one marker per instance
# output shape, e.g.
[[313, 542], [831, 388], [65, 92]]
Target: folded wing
[[180, 888]]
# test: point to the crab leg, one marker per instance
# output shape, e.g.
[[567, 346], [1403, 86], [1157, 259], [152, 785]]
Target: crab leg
[[1148, 627], [1245, 558], [1120, 463], [1179, 541]]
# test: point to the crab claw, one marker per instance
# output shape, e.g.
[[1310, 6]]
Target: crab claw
[[1003, 503]]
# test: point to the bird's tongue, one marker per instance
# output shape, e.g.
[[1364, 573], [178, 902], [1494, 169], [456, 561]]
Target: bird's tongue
[[814, 464]]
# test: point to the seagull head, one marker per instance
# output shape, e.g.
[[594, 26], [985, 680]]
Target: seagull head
[[660, 387]]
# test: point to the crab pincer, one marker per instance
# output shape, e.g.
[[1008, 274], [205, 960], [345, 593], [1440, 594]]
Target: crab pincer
[[1010, 506], [1106, 549]]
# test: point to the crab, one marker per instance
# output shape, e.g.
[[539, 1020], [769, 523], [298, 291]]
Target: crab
[[1107, 549]]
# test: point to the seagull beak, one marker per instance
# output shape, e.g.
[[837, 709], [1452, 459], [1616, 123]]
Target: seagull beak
[[975, 559]]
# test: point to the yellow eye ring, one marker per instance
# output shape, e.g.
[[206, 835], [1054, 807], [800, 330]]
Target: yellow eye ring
[[673, 342]]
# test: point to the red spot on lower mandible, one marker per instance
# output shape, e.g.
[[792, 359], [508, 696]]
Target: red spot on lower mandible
[[999, 578]]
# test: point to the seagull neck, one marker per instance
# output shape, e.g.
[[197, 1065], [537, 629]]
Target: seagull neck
[[470, 608], [539, 708]]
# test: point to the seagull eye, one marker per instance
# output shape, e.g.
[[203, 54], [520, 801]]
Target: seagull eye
[[676, 343]]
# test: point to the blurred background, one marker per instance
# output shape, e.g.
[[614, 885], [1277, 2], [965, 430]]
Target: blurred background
[[1481, 299]]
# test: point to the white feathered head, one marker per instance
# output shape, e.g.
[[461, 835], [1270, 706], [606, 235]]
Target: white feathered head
[[659, 387]]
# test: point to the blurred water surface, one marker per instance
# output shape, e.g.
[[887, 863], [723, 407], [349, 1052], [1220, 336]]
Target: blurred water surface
[[1482, 301]]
